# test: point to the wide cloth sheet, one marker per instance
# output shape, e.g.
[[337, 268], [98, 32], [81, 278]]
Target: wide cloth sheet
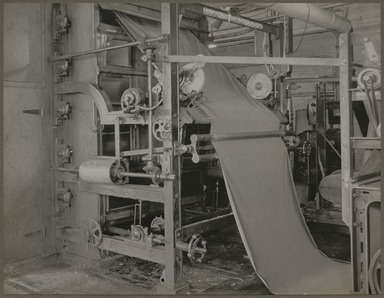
[[259, 183]]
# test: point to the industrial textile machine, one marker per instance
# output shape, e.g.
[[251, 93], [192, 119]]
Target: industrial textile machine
[[128, 179], [134, 169]]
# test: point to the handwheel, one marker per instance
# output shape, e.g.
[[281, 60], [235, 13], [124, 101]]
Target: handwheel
[[196, 253], [92, 232]]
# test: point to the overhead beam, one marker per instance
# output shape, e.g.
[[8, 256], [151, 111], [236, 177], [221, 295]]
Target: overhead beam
[[255, 60]]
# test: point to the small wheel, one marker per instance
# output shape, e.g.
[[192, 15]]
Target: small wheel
[[92, 232], [162, 129]]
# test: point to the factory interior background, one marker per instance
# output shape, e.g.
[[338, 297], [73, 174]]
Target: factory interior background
[[192, 148]]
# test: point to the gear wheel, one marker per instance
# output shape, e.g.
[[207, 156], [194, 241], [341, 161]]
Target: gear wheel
[[92, 232], [162, 129]]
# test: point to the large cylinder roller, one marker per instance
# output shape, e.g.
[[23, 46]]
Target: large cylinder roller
[[103, 170]]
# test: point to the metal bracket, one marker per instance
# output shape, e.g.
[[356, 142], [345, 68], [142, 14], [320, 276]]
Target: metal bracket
[[39, 112]]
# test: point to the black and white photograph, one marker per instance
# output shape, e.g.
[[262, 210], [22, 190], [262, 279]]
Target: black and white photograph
[[192, 148]]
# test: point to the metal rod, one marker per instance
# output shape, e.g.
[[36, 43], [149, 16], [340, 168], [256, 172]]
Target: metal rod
[[161, 176], [129, 44], [141, 151], [374, 103], [255, 60], [365, 177], [238, 136], [204, 158], [149, 53], [119, 231], [329, 143], [117, 140]]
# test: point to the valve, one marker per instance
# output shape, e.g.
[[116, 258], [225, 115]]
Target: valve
[[64, 111], [62, 67], [62, 23], [195, 249], [64, 197], [64, 154]]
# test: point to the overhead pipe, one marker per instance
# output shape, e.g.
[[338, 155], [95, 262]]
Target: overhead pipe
[[314, 14]]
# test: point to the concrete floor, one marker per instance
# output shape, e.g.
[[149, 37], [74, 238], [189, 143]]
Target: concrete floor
[[226, 269]]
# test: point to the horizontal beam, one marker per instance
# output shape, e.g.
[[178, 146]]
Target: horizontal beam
[[358, 95], [255, 60], [137, 250], [135, 192], [366, 143]]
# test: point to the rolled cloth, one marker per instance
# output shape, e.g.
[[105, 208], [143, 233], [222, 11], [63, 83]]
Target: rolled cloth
[[259, 183]]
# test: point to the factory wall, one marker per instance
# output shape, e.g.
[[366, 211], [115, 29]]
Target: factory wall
[[24, 142]]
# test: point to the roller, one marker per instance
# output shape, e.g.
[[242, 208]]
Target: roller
[[103, 170]]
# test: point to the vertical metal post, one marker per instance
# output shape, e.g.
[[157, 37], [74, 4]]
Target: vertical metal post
[[346, 133], [346, 126], [117, 139], [171, 163]]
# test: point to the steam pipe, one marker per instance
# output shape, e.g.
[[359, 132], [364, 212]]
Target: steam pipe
[[315, 15]]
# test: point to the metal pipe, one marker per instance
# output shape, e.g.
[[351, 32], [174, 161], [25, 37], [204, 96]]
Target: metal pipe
[[314, 14], [160, 176], [243, 21], [238, 136], [125, 45], [204, 158]]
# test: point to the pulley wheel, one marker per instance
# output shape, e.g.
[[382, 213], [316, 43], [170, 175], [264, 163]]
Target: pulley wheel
[[374, 74], [259, 86]]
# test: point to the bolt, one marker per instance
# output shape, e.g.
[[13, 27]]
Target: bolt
[[343, 62]]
